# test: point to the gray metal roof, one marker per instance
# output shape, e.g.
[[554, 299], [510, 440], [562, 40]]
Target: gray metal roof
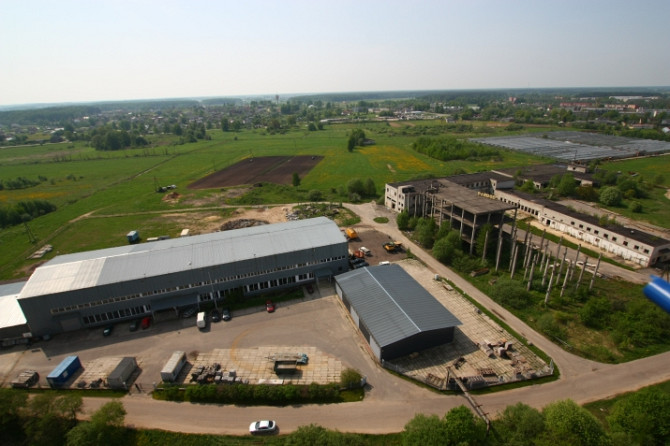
[[569, 145], [392, 305], [114, 265], [11, 313]]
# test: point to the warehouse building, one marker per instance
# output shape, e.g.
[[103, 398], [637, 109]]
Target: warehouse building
[[106, 286], [394, 313], [13, 325]]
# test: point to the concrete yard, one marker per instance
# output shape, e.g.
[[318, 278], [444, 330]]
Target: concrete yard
[[519, 363]]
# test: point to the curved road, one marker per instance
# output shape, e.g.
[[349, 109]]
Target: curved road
[[392, 402]]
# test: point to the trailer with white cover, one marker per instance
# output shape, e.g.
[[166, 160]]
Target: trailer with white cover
[[173, 367]]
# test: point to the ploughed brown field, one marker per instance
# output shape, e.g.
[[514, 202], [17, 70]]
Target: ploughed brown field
[[266, 169]]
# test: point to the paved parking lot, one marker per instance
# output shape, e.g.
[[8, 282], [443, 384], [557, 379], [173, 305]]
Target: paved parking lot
[[314, 325], [317, 325], [255, 365]]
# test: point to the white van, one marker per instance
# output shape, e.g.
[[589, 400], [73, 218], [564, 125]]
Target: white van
[[201, 322]]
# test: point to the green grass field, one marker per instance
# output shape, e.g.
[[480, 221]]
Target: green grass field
[[655, 207], [86, 184]]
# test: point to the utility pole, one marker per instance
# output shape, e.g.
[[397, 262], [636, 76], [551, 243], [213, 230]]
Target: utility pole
[[595, 271], [532, 270]]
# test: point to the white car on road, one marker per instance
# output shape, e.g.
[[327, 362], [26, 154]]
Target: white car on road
[[263, 427]]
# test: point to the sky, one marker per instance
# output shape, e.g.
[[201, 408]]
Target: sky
[[100, 50]]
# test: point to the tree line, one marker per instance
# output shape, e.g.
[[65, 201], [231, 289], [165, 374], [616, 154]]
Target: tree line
[[20, 183], [447, 148], [23, 211]]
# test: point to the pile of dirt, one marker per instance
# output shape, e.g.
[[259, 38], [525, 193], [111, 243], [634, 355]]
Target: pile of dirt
[[242, 223], [172, 196]]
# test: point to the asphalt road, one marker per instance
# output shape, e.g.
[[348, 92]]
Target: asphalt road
[[391, 402]]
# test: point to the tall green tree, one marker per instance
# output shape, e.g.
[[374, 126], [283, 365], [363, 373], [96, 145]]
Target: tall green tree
[[105, 427], [611, 196], [425, 232], [12, 401], [571, 425], [424, 430], [642, 417], [462, 427], [402, 220], [519, 425], [50, 416], [356, 138], [567, 185]]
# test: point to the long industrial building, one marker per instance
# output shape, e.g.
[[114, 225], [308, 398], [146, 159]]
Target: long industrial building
[[630, 244], [106, 286], [394, 313]]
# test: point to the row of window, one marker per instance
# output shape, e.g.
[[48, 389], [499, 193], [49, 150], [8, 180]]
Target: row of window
[[607, 236], [117, 314], [221, 293]]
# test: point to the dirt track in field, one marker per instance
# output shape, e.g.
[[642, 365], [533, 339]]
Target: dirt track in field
[[266, 169]]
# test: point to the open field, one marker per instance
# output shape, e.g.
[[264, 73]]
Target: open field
[[121, 186], [267, 169], [655, 207]]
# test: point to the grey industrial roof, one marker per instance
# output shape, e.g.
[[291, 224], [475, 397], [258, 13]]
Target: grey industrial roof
[[468, 199], [11, 314], [458, 195], [113, 265], [467, 178], [392, 305], [568, 145]]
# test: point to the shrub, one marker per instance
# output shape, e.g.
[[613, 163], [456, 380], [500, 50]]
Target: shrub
[[350, 378], [315, 195], [512, 294], [636, 207], [611, 196]]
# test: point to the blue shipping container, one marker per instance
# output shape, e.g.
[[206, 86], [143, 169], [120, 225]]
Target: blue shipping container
[[64, 371]]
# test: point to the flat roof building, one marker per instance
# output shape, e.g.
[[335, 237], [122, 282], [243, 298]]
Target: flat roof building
[[628, 243], [99, 287], [467, 209]]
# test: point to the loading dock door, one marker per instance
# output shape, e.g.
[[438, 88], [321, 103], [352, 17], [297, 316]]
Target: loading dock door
[[376, 350], [72, 323]]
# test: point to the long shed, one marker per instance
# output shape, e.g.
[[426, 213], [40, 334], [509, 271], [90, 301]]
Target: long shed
[[63, 372], [174, 365], [395, 314], [118, 378], [97, 288]]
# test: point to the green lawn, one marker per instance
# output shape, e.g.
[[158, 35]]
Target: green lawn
[[655, 207], [121, 185]]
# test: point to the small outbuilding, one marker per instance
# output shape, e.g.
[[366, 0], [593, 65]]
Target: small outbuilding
[[118, 378], [395, 314], [173, 367], [133, 237], [63, 372]]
